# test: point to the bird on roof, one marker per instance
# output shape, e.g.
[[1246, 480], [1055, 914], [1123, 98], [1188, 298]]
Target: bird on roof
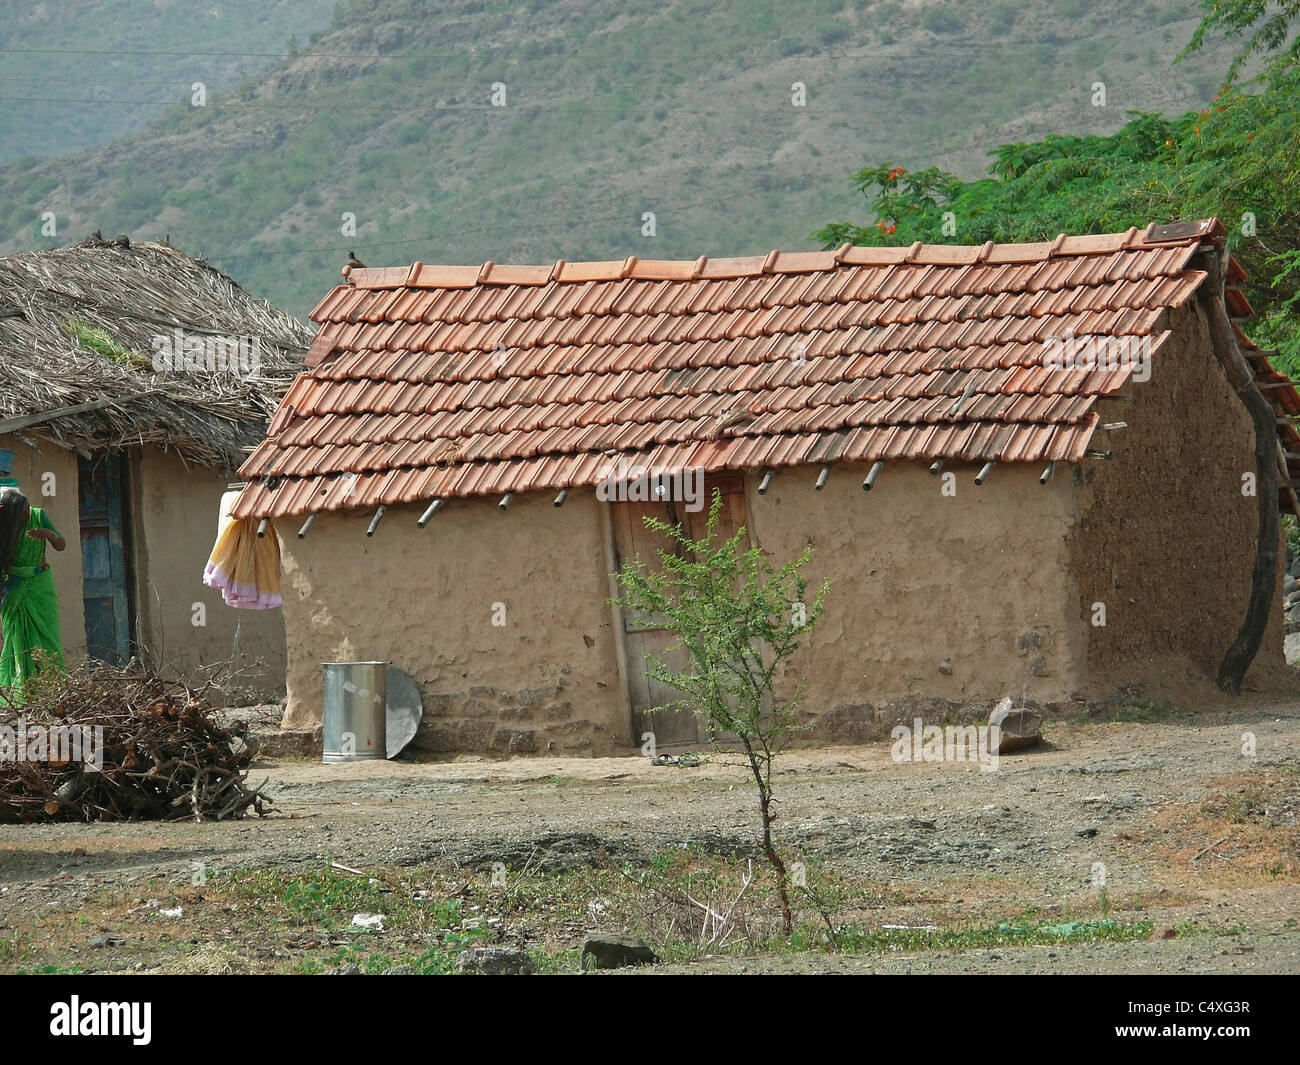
[[353, 262]]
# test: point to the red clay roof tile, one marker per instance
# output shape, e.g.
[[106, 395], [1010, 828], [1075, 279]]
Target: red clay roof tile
[[449, 380]]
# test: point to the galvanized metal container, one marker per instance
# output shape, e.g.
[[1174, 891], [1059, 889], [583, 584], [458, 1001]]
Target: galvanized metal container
[[354, 715]]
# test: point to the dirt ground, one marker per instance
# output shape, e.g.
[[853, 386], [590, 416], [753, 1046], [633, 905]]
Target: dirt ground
[[1184, 831]]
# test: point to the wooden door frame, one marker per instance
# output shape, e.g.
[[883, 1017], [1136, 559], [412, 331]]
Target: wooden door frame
[[126, 515], [620, 634], [611, 566]]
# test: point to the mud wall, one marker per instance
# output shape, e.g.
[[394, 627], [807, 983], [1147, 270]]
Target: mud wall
[[1165, 538], [174, 517], [934, 598], [31, 467], [502, 619]]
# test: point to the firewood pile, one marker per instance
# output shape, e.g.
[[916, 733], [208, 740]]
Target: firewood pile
[[110, 744]]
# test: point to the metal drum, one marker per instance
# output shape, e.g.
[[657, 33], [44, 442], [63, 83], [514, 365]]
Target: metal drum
[[354, 717]]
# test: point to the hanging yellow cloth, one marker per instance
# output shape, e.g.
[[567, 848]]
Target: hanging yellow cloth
[[245, 568]]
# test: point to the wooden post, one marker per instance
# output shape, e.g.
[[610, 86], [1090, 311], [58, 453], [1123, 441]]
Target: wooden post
[[1241, 653], [1285, 471]]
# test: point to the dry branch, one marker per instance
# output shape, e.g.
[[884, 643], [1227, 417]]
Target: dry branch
[[163, 755]]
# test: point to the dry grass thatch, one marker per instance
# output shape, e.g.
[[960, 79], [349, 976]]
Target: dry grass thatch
[[77, 325]]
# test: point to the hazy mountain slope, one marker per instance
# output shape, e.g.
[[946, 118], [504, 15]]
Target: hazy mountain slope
[[125, 61], [677, 107]]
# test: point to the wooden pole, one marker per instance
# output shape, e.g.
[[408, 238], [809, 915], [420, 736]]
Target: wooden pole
[[872, 474], [1287, 486], [564, 494], [306, 525], [374, 522], [434, 507], [1241, 653], [823, 477], [983, 475], [765, 482]]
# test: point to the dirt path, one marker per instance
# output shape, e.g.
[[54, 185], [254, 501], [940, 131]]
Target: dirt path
[[1183, 827]]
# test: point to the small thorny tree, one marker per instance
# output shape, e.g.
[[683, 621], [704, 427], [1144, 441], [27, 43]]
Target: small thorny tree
[[739, 618]]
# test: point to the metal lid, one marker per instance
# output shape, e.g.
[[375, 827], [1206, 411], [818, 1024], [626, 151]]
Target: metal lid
[[403, 710]]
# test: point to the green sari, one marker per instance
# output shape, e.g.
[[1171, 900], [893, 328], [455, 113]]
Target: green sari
[[29, 614]]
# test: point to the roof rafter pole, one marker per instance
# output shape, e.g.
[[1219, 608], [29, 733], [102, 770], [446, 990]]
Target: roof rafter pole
[[765, 482], [935, 467], [434, 507], [987, 469], [564, 494], [374, 522], [261, 528], [306, 526], [1223, 341], [1047, 473], [872, 474], [24, 421], [823, 477], [505, 501]]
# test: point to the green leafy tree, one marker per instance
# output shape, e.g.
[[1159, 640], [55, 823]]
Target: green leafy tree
[[1234, 159], [739, 619]]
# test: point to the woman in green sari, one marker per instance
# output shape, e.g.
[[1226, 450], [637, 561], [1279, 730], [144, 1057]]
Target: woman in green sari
[[29, 610]]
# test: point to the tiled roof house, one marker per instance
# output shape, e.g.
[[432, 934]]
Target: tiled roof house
[[1088, 447]]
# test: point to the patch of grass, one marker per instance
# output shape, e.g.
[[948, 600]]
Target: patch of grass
[[103, 343], [1005, 934]]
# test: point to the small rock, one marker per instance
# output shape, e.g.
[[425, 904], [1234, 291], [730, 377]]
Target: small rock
[[346, 970], [1017, 727], [495, 961], [1086, 833], [616, 952], [399, 970], [107, 940]]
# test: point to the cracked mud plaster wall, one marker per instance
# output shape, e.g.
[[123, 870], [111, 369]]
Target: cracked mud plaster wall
[[933, 599], [423, 599], [1165, 539], [174, 508]]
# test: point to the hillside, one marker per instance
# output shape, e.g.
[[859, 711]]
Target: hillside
[[677, 107], [124, 62]]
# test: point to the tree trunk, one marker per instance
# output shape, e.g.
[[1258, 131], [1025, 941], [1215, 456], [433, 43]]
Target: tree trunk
[[1263, 575]]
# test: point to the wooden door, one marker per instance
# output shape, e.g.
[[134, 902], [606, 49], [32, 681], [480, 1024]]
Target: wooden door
[[105, 585], [645, 636]]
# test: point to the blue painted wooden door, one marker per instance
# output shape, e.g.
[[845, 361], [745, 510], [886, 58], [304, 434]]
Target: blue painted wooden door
[[105, 587]]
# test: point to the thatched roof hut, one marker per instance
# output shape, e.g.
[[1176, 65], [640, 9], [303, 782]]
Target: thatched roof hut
[[80, 330], [133, 378]]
